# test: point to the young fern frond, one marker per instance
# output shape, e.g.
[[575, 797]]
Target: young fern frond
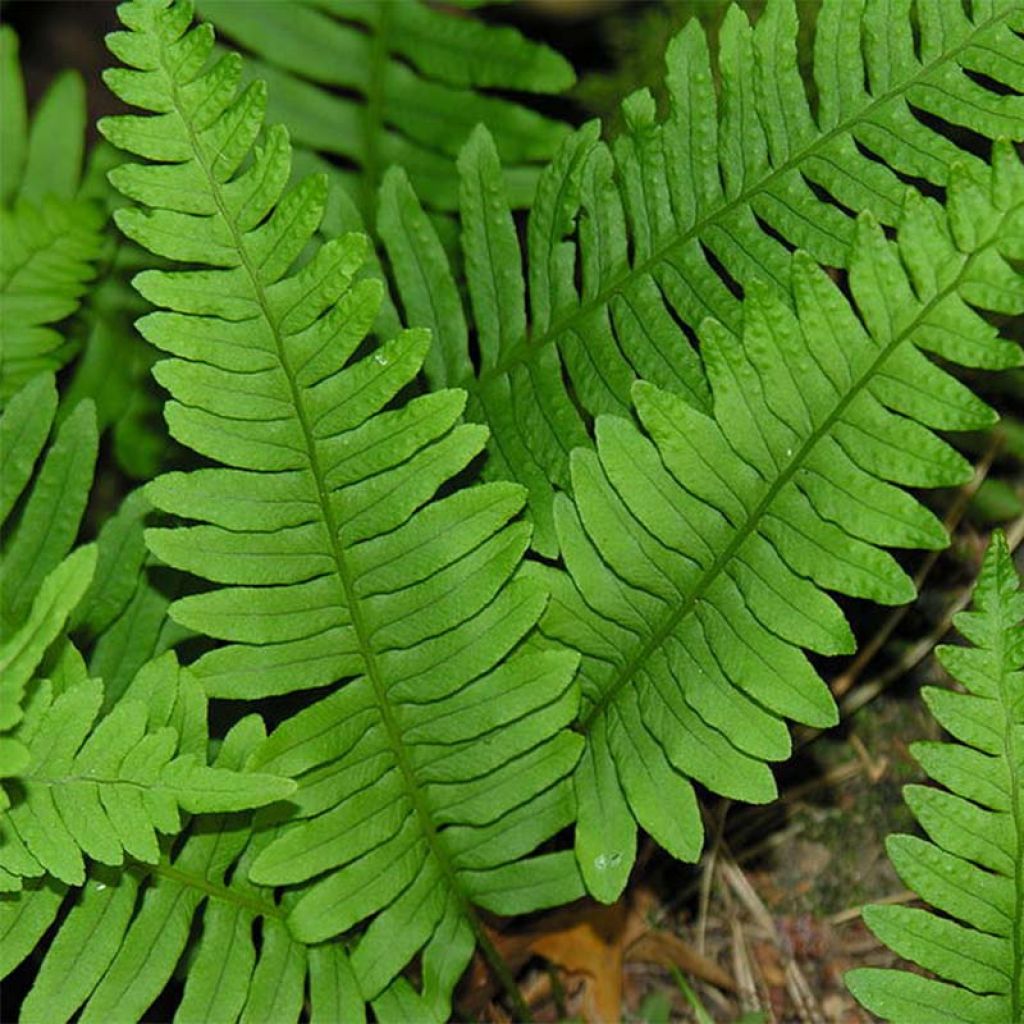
[[50, 237], [421, 75], [420, 794], [698, 555], [971, 866], [625, 243], [123, 932]]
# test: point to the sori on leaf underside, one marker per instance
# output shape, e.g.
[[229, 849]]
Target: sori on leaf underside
[[456, 705]]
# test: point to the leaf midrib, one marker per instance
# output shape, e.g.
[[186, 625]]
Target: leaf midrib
[[211, 890], [527, 348], [373, 671], [753, 521]]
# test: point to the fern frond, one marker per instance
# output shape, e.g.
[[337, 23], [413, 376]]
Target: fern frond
[[698, 555], [421, 75], [124, 931], [626, 243], [103, 787], [50, 238], [420, 794], [971, 866]]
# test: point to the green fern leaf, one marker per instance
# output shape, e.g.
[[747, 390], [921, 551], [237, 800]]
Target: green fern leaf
[[971, 867], [50, 238], [420, 794], [124, 932], [103, 788], [626, 243], [695, 554], [22, 651], [421, 77], [120, 556]]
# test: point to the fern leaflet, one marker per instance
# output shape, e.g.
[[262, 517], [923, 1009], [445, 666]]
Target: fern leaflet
[[971, 867]]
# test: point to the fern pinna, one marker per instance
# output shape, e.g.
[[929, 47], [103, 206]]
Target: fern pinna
[[420, 794], [971, 866], [631, 246]]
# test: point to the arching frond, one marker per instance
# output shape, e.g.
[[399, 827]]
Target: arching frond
[[423, 77], [699, 550], [971, 866], [625, 244], [50, 237], [420, 794]]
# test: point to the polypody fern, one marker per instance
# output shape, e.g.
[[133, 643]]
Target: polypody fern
[[665, 227], [715, 433], [971, 866], [420, 791]]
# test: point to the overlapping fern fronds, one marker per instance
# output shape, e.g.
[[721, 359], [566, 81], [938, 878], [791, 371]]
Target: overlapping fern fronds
[[123, 931], [699, 551], [102, 787], [626, 244], [420, 794], [78, 784], [50, 236], [971, 866], [423, 77]]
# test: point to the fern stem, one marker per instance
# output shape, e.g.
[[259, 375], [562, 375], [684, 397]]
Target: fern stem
[[1014, 759], [502, 971], [800, 454], [254, 905]]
